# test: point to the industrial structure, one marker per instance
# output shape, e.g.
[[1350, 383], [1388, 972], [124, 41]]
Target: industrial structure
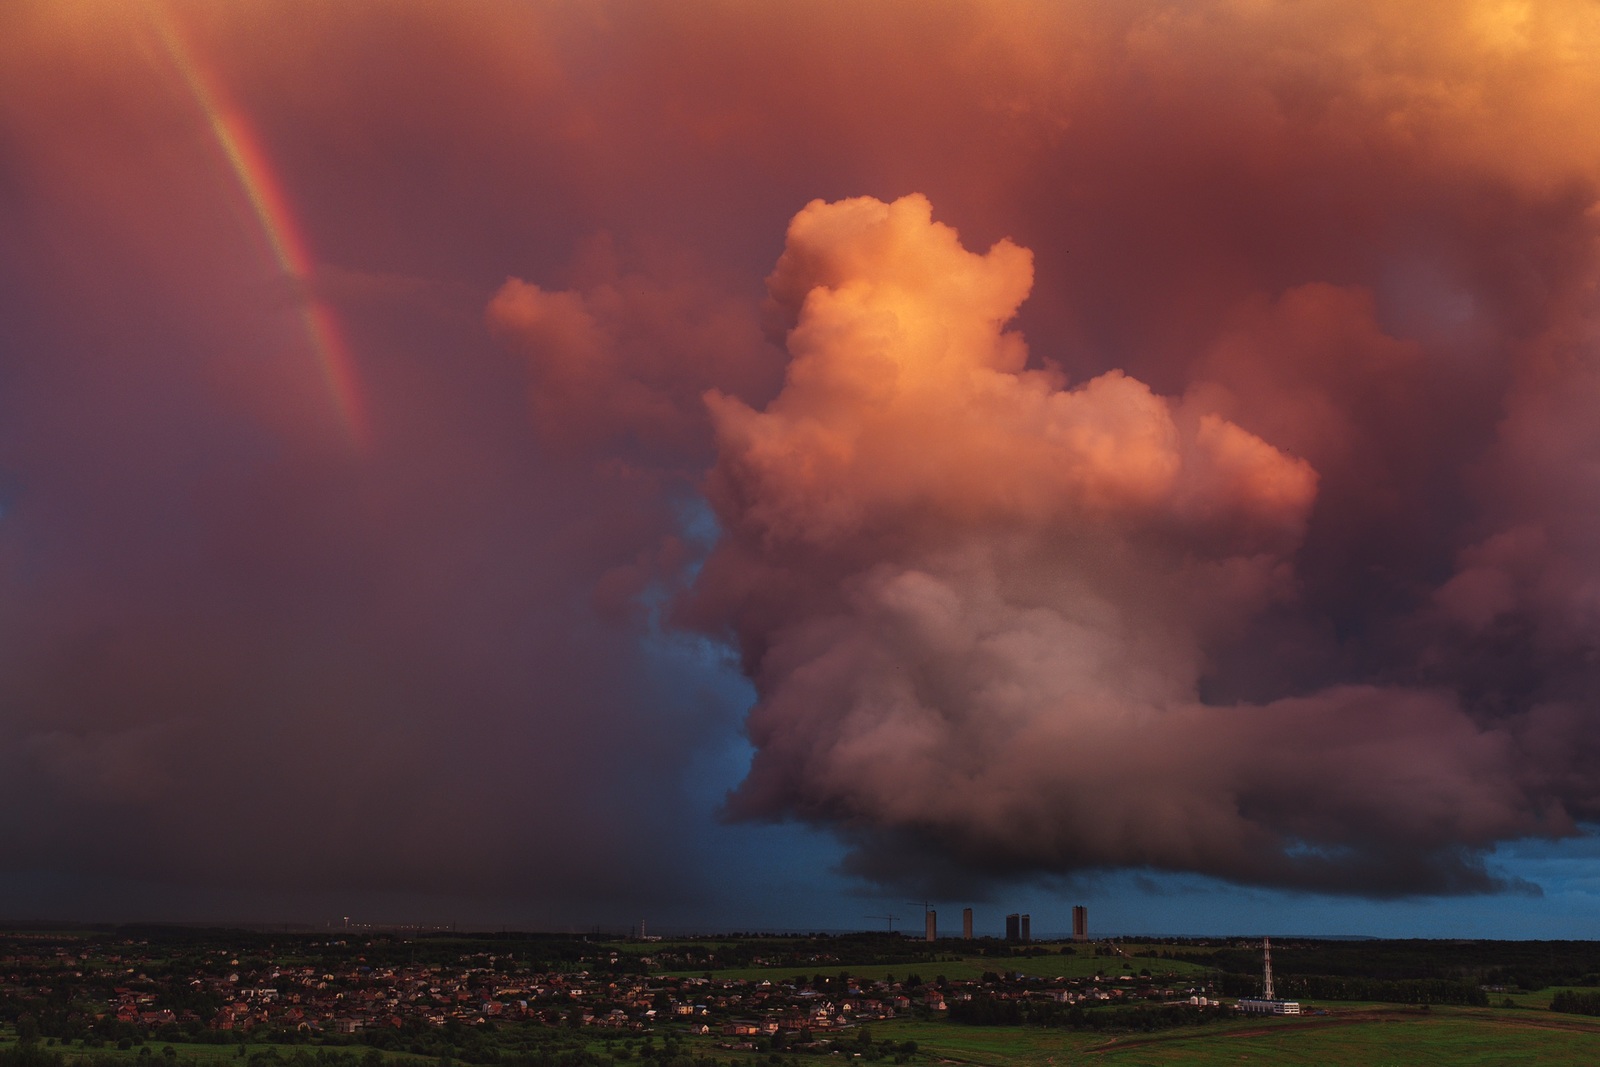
[[1267, 1004], [1080, 923], [930, 920]]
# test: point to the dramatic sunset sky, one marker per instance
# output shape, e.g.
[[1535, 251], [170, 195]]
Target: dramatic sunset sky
[[749, 465]]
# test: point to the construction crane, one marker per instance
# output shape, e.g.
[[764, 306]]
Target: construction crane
[[889, 918]]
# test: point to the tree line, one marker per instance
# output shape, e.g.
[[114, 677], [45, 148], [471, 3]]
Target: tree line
[[1527, 965], [984, 1010], [1575, 1003]]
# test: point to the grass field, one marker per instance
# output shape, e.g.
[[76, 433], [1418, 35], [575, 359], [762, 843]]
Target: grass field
[[1358, 1037], [1540, 999]]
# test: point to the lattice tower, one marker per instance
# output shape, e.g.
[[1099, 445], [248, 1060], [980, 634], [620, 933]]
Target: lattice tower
[[1266, 956]]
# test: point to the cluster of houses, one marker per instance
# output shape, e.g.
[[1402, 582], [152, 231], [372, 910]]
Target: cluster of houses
[[303, 992], [737, 1009]]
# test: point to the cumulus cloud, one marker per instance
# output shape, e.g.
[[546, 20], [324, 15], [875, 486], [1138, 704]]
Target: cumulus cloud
[[977, 601]]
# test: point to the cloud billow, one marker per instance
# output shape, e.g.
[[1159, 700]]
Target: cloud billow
[[977, 603]]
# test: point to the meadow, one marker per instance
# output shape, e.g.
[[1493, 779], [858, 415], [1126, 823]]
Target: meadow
[[1359, 1036]]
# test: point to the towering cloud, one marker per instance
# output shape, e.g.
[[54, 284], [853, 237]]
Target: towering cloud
[[978, 603]]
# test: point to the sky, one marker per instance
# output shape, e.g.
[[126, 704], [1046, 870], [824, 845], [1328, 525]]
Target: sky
[[752, 466]]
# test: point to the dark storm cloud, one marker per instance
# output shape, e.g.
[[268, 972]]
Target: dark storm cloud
[[239, 654]]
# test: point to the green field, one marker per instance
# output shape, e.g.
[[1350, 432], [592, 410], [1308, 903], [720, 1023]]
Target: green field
[[1540, 999], [1359, 1037]]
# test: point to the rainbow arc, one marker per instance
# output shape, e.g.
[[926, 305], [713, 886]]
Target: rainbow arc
[[263, 189]]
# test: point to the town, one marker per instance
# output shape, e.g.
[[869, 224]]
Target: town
[[383, 990], [370, 997]]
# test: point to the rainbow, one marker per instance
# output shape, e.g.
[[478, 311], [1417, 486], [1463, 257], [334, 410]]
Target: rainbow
[[241, 146]]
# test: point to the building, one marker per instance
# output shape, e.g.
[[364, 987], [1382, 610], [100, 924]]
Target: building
[[930, 919], [1026, 929], [1260, 1006], [966, 924], [1013, 927], [1267, 1004], [1080, 923]]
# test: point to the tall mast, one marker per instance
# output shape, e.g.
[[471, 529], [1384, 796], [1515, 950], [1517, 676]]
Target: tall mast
[[1266, 955]]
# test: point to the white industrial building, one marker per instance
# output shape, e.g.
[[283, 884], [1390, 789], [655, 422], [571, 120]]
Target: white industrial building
[[1262, 1006]]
